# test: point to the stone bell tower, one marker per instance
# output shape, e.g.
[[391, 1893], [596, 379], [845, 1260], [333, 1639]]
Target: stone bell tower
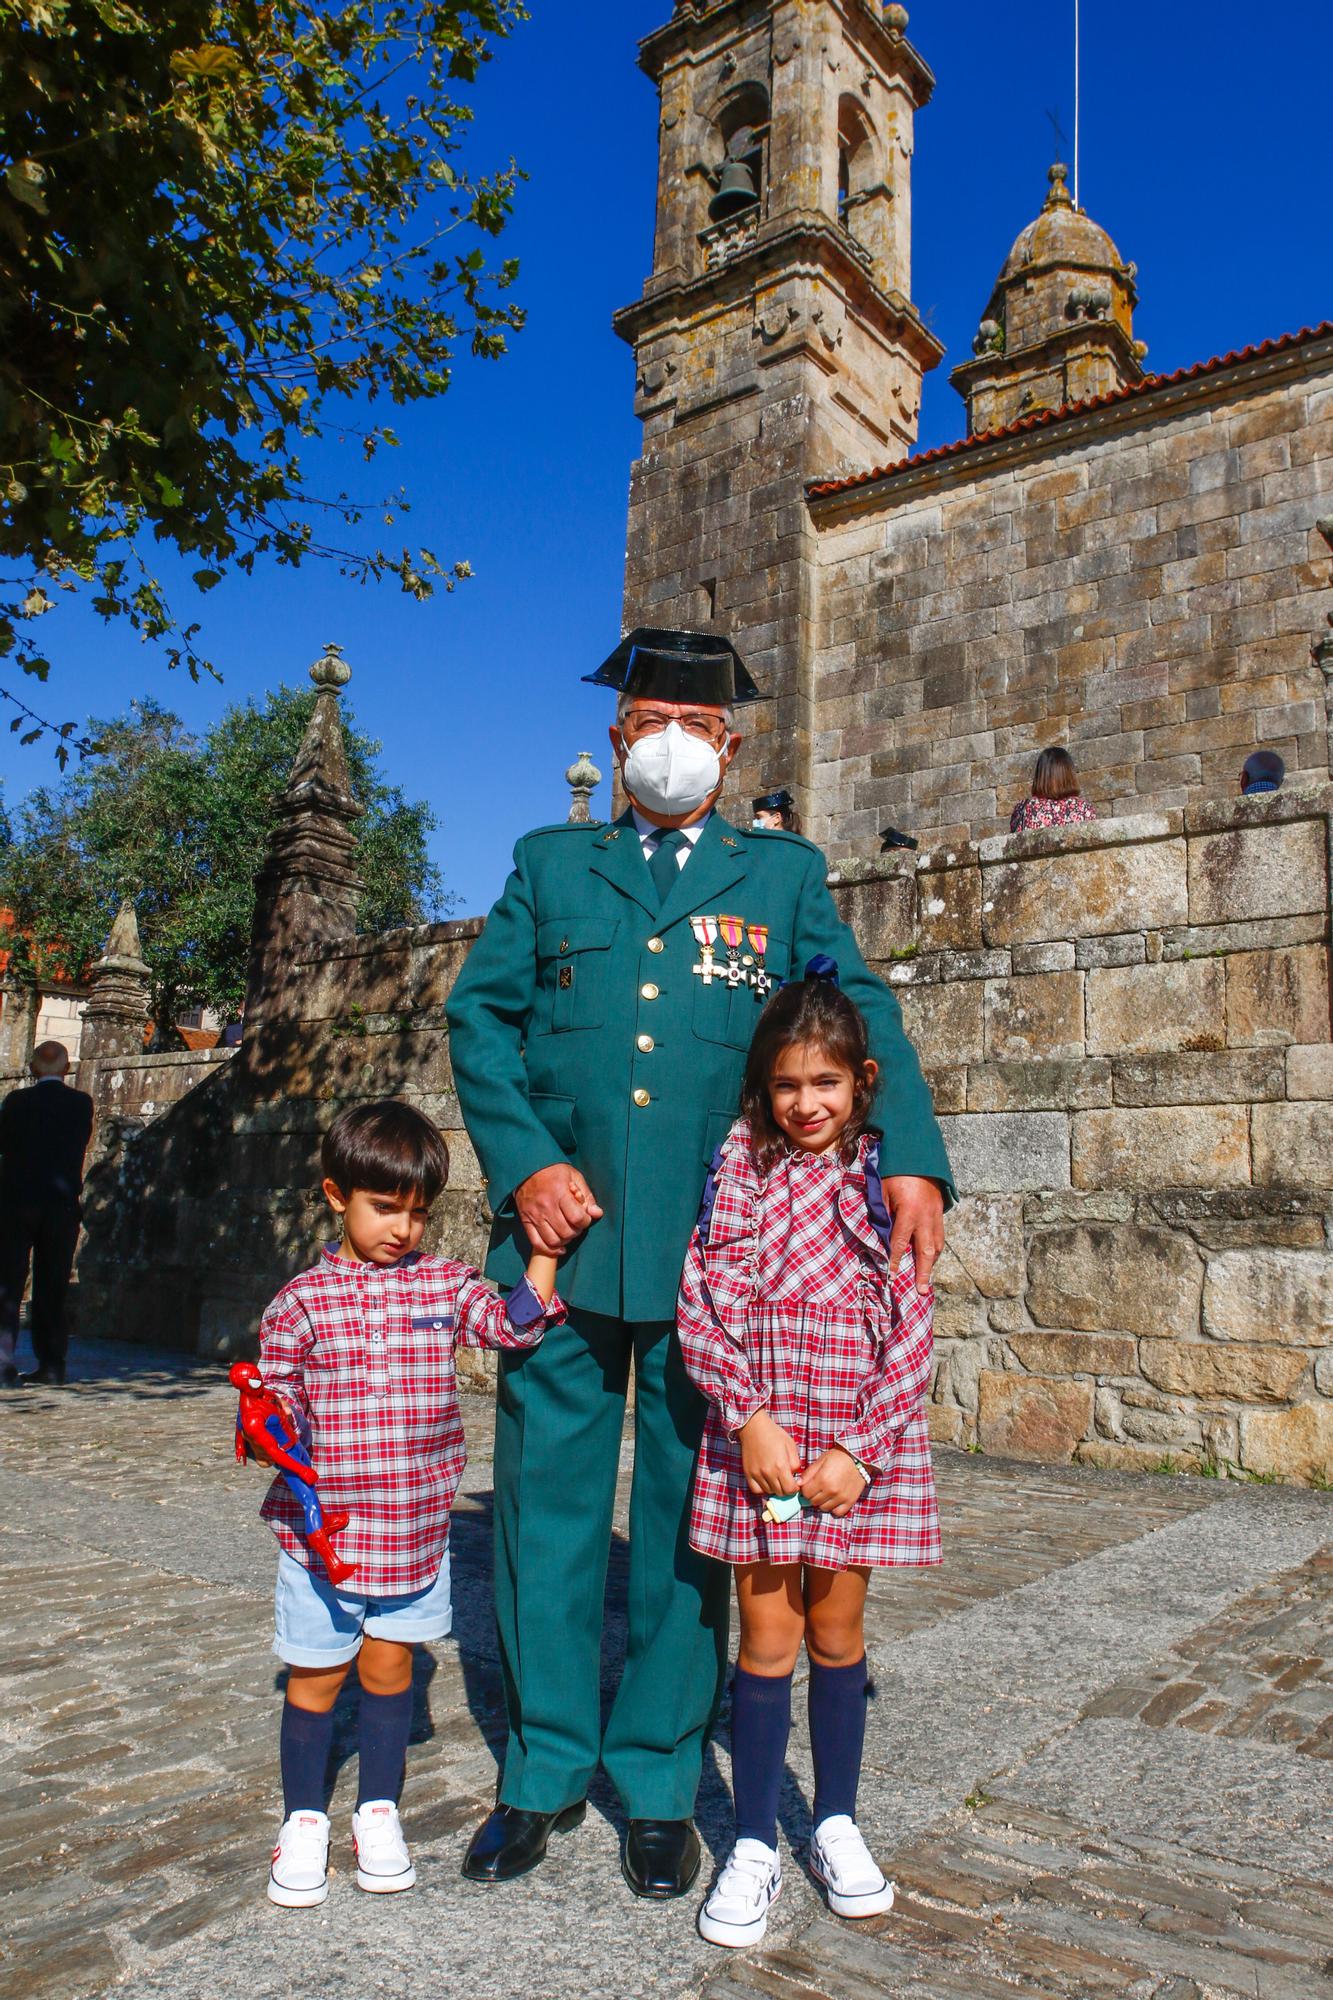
[[775, 341]]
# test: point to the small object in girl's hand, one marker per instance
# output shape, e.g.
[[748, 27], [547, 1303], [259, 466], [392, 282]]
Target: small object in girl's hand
[[784, 1506]]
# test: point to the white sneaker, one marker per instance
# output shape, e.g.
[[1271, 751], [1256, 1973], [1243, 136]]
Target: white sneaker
[[840, 1859], [298, 1877], [736, 1912], [383, 1864]]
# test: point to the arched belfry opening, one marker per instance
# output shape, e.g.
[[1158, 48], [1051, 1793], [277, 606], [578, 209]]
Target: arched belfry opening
[[857, 165], [860, 175], [737, 177]]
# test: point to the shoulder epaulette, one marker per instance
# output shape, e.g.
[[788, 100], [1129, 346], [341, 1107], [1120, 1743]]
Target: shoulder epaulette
[[567, 826]]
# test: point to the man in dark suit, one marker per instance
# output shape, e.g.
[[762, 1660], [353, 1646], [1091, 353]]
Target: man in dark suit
[[44, 1133]]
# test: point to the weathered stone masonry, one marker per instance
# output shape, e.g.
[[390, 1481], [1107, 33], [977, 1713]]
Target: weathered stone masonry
[[1126, 1028], [1141, 581]]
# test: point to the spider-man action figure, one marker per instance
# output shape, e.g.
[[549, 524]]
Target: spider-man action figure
[[261, 1420]]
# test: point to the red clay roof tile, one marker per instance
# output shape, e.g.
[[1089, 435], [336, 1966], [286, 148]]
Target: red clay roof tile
[[820, 489]]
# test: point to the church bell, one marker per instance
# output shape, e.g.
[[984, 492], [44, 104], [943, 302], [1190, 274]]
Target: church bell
[[736, 192]]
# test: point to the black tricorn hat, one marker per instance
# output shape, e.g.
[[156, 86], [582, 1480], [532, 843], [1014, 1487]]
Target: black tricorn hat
[[772, 802], [658, 664]]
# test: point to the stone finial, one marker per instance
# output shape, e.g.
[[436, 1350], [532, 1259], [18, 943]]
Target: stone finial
[[331, 670], [124, 950], [318, 776], [307, 891], [895, 18], [1059, 195], [583, 778], [117, 1010]]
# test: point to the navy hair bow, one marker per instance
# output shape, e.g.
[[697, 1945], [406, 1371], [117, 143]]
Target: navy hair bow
[[821, 967]]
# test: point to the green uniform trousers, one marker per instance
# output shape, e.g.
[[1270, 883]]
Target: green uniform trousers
[[560, 1413]]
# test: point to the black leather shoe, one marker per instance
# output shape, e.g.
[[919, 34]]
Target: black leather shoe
[[661, 1857], [510, 1841], [45, 1378]]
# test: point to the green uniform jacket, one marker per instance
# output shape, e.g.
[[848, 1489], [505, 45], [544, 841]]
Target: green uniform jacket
[[580, 1030]]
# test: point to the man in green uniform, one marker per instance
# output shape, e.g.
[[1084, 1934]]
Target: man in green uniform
[[599, 1030]]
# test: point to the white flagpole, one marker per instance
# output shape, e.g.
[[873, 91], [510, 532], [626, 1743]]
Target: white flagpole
[[1077, 203]]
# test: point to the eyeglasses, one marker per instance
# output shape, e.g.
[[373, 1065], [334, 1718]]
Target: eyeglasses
[[695, 722]]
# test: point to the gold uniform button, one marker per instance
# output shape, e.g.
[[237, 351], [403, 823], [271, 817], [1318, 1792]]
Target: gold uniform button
[[646, 1044], [656, 944], [650, 992], [641, 1098]]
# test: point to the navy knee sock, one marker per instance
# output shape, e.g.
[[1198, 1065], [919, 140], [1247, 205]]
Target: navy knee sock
[[303, 1750], [760, 1726], [837, 1736], [385, 1722]]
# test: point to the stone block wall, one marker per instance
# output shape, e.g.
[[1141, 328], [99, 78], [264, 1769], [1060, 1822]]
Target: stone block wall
[[199, 1207], [1126, 1027], [1141, 583]]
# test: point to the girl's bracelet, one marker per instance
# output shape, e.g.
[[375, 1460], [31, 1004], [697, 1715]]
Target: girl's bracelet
[[867, 1472]]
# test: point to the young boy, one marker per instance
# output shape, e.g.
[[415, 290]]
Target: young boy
[[363, 1346]]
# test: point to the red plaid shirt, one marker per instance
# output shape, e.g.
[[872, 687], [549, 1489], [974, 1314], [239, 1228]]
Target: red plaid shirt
[[367, 1352]]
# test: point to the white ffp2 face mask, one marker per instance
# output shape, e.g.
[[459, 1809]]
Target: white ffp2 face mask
[[672, 773]]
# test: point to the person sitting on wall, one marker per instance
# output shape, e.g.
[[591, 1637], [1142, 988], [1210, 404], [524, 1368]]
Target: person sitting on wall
[[44, 1135], [1056, 799], [1262, 771], [775, 811]]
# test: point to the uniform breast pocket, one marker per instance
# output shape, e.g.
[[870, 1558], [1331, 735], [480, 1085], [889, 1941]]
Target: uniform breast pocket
[[728, 1013], [573, 955]]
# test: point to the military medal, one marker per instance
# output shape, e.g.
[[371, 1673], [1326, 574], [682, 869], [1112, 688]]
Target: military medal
[[705, 936], [733, 932], [761, 978]]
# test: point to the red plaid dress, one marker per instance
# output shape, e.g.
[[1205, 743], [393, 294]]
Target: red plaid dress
[[367, 1352], [788, 1303]]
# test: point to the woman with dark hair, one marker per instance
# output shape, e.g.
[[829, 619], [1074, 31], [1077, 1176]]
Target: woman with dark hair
[[1056, 799]]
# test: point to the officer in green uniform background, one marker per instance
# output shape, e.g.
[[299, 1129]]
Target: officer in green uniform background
[[598, 1032]]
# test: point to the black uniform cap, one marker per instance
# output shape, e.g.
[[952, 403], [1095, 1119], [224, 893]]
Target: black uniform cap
[[653, 663], [772, 802]]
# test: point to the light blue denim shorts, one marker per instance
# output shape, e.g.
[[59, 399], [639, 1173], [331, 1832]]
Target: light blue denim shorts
[[318, 1626]]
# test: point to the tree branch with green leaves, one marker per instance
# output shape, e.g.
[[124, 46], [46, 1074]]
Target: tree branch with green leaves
[[229, 230]]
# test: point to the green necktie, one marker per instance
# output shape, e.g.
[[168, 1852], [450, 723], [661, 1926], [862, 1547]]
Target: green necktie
[[663, 867]]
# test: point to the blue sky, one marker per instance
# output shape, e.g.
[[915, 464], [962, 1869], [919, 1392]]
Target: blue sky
[[1204, 153]]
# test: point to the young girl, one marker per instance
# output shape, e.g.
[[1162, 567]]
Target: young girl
[[814, 1360]]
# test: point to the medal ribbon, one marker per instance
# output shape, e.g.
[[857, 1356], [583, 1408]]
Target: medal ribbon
[[758, 935], [705, 932], [733, 930]]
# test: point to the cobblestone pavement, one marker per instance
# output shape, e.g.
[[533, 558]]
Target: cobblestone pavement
[[1097, 1762]]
